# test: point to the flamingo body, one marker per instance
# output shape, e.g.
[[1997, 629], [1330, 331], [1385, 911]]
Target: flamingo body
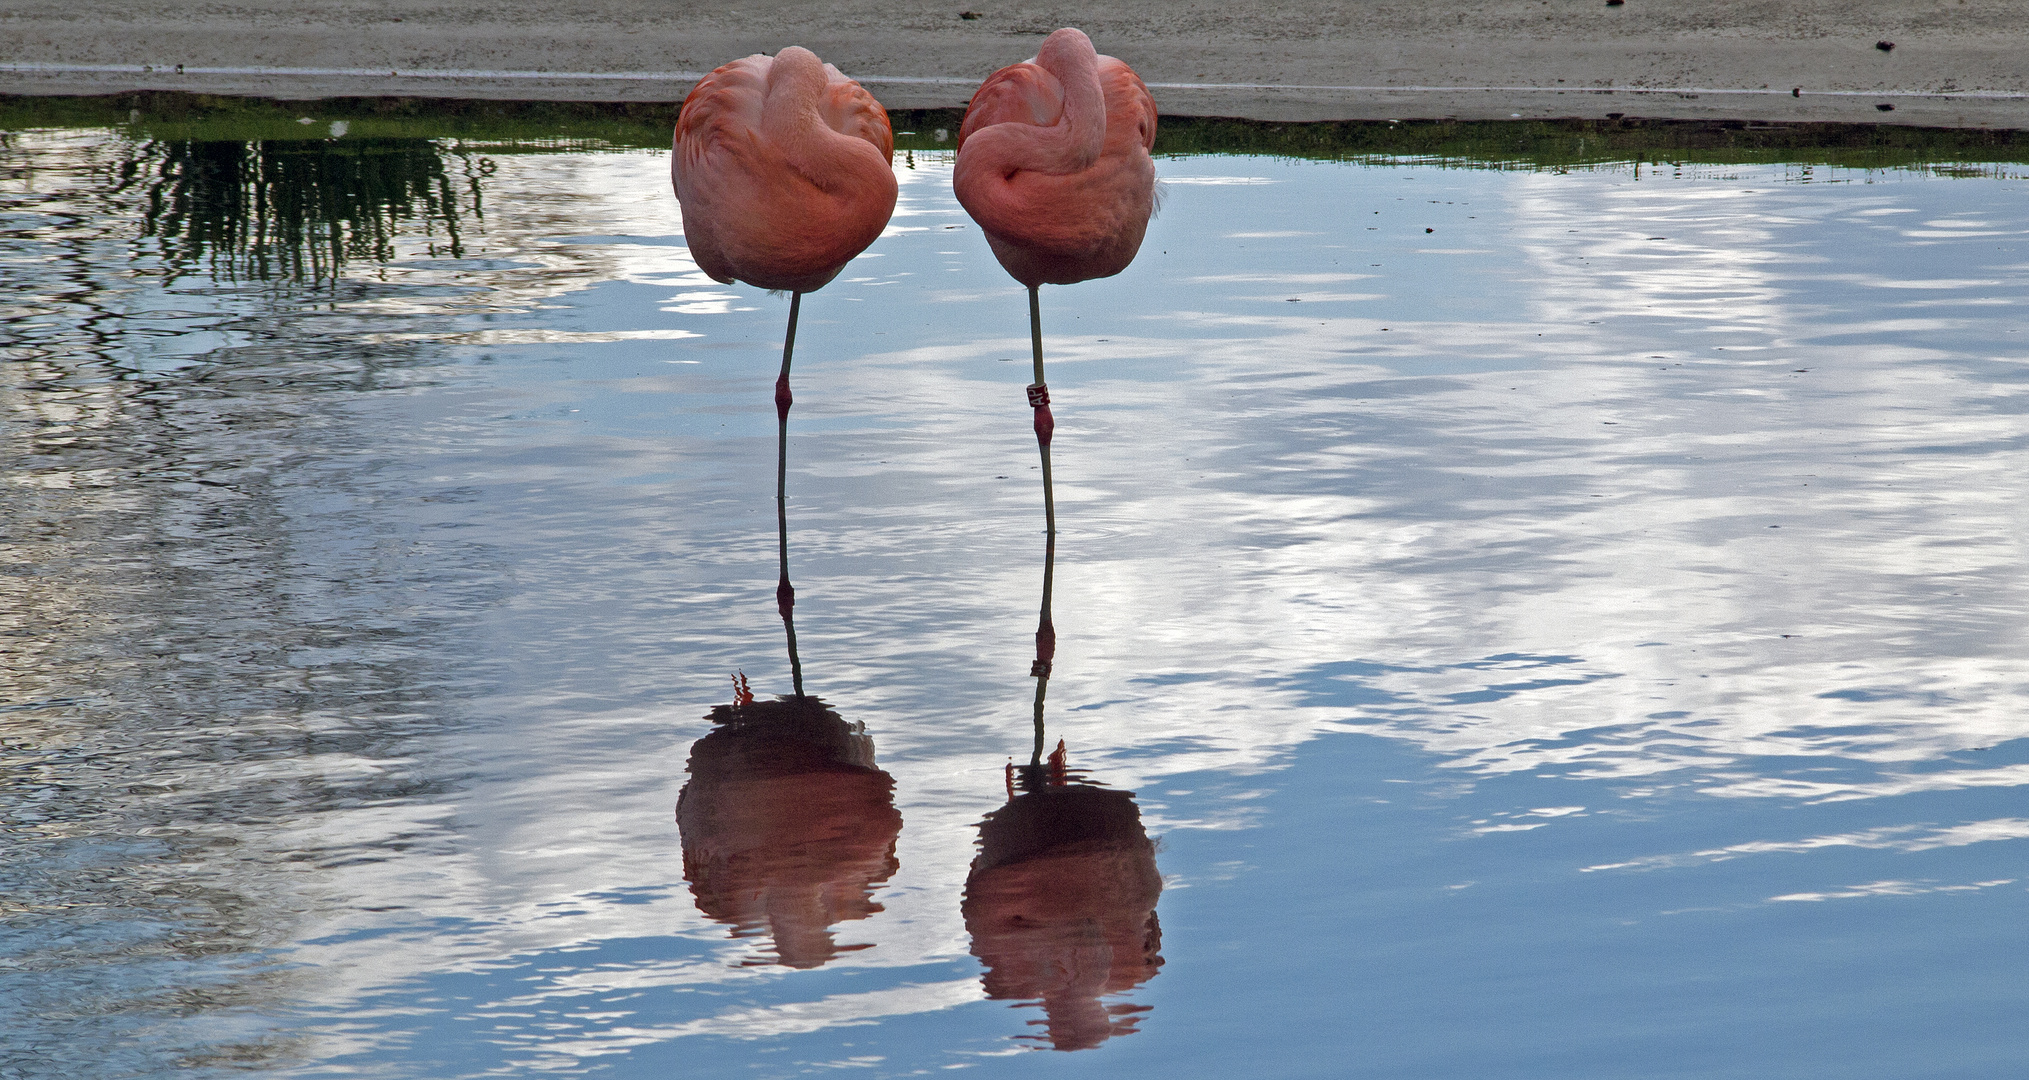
[[783, 169], [1054, 165]]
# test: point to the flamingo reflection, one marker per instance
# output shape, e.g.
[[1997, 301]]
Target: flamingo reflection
[[1061, 899], [788, 826]]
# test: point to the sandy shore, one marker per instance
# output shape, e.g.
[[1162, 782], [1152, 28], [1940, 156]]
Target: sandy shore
[[1955, 62]]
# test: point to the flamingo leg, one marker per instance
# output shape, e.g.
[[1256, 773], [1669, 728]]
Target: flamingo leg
[[785, 593], [1046, 645], [1039, 398], [1046, 629]]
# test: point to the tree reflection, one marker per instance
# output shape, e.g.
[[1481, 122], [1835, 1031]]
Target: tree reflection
[[207, 653], [300, 210]]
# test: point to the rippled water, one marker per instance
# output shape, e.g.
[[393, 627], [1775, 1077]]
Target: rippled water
[[1533, 624]]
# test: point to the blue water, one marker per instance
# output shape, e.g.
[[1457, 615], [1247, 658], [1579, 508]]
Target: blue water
[[1581, 639]]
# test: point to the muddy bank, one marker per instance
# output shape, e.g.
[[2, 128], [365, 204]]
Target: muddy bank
[[1954, 62]]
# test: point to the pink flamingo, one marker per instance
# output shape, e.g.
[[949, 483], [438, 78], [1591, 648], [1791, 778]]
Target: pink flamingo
[[784, 170], [1053, 164]]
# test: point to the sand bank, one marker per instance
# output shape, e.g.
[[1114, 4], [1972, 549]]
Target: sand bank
[[1955, 62]]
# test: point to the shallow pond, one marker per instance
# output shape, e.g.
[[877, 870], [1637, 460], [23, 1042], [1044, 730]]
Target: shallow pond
[[1510, 623]]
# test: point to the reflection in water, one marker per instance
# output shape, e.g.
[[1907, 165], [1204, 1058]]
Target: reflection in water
[[338, 651], [300, 210], [787, 824], [1060, 901], [786, 821], [208, 665]]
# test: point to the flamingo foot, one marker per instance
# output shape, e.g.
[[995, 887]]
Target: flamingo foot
[[1060, 765]]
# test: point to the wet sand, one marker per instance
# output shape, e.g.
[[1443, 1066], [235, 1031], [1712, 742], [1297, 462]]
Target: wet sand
[[1955, 62]]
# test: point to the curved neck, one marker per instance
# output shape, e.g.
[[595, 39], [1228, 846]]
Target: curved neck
[[795, 84], [1080, 134], [792, 120]]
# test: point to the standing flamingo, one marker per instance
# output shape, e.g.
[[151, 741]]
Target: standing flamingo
[[784, 170], [1053, 164], [1061, 901]]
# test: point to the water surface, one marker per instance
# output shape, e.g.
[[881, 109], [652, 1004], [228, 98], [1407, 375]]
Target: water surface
[[1538, 623]]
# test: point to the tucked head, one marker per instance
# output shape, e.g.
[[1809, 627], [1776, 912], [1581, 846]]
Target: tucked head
[[796, 79], [1067, 47]]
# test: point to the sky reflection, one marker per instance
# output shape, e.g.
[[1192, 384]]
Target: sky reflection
[[1582, 635]]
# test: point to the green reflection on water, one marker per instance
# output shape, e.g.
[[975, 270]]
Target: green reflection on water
[[508, 127], [299, 210], [250, 189]]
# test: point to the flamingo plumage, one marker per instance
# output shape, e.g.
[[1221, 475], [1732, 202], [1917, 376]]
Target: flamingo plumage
[[783, 167], [784, 170], [1054, 165]]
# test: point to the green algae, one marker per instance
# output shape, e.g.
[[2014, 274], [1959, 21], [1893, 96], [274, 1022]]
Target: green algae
[[538, 127]]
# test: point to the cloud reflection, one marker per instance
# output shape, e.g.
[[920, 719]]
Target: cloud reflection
[[1494, 523], [1887, 838]]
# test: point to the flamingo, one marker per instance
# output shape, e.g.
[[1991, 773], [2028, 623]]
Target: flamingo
[[787, 823], [1061, 903], [1053, 164], [784, 170]]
